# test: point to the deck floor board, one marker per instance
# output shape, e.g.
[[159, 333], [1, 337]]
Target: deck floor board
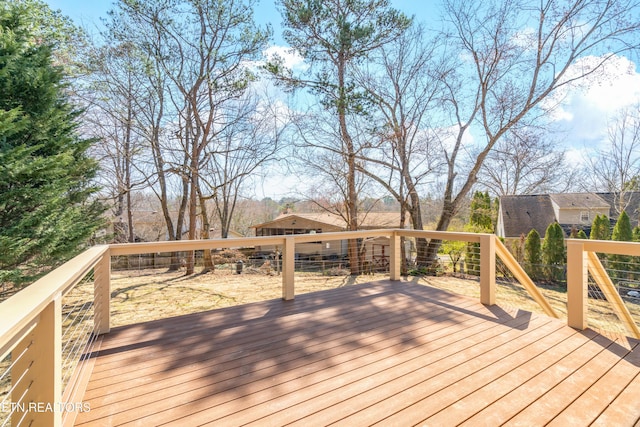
[[393, 353]]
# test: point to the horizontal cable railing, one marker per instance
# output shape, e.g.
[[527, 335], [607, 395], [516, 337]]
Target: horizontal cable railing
[[589, 280], [61, 316], [42, 340]]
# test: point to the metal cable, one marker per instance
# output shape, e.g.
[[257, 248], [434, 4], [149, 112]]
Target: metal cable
[[16, 360]]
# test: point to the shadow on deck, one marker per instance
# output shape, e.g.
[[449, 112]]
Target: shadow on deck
[[393, 353]]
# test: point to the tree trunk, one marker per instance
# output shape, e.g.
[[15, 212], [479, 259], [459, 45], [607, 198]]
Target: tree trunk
[[431, 251], [192, 141], [193, 218], [352, 208], [403, 250], [352, 193], [127, 171], [206, 256]]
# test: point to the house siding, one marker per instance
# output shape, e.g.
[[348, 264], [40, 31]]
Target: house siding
[[519, 214], [574, 216]]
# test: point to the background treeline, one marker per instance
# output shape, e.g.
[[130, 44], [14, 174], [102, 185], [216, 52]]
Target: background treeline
[[188, 103]]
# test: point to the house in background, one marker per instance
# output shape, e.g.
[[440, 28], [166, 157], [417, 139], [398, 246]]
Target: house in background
[[578, 209], [376, 250], [518, 215]]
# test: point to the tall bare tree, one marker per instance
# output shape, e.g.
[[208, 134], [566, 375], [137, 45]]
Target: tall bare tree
[[204, 49], [251, 140], [514, 56], [616, 168], [112, 99], [248, 138], [402, 80]]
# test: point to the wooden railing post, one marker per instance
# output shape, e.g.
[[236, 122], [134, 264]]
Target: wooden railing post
[[288, 268], [577, 276], [395, 258], [102, 295], [488, 269], [40, 390]]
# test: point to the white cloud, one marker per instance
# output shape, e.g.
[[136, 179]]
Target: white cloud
[[586, 108], [290, 57]]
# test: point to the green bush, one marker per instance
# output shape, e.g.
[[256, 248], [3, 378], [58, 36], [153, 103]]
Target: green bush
[[532, 254], [553, 252]]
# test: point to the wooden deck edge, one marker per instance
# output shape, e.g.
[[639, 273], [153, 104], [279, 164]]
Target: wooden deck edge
[[77, 386]]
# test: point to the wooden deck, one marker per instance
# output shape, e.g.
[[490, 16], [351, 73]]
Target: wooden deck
[[388, 353]]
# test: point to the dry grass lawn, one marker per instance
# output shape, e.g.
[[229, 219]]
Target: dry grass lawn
[[156, 294], [139, 296]]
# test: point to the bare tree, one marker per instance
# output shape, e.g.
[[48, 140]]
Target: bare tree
[[403, 81], [112, 96], [526, 161], [248, 138], [204, 50], [151, 120], [616, 168], [514, 55], [333, 35], [318, 158]]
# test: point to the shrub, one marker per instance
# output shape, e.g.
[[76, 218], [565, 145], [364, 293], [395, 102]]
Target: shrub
[[553, 252], [532, 254]]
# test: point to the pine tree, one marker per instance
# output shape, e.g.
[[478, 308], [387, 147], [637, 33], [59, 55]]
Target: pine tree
[[532, 254], [480, 221], [600, 228], [553, 252], [622, 231], [481, 212], [581, 235], [45, 173], [619, 264]]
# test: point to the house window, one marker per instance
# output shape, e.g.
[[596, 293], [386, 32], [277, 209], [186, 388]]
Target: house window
[[584, 216]]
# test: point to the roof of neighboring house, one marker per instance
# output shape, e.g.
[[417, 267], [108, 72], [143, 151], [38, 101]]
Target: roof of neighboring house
[[379, 220], [367, 220], [579, 201], [521, 214], [631, 204]]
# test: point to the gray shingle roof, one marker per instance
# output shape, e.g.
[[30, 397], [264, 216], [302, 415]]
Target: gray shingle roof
[[523, 213], [579, 201]]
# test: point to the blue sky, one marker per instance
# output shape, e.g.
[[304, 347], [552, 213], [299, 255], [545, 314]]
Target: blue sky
[[87, 13], [583, 113], [585, 110], [92, 10]]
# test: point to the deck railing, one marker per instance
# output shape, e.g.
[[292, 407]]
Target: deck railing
[[30, 321], [582, 261], [31, 341]]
